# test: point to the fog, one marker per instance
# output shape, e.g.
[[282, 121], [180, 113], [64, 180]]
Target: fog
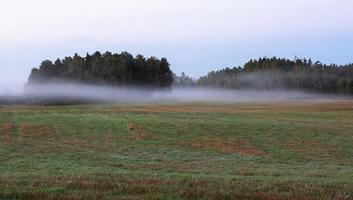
[[64, 93]]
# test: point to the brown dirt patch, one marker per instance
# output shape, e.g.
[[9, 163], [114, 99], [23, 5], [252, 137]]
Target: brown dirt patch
[[324, 105], [34, 131], [178, 108], [6, 131], [329, 105], [139, 132], [226, 146]]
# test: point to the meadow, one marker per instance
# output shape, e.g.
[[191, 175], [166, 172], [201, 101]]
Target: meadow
[[300, 149]]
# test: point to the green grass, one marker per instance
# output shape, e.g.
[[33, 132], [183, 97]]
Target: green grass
[[170, 151]]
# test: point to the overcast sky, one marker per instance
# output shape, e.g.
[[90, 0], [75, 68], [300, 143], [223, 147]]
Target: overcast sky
[[195, 35]]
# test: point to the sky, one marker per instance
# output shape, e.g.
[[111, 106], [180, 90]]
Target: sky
[[196, 36]]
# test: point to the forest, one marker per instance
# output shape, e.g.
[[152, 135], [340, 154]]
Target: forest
[[108, 69], [263, 73], [280, 73]]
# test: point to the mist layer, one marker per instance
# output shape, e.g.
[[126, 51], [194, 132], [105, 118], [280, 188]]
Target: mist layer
[[60, 93]]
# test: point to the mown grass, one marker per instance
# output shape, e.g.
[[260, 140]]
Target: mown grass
[[291, 150]]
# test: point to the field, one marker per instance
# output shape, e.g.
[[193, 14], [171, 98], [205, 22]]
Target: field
[[283, 150]]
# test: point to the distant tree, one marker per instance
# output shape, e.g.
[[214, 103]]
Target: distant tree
[[183, 80]]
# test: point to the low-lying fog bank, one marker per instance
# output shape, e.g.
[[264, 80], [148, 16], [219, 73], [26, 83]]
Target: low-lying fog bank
[[79, 93]]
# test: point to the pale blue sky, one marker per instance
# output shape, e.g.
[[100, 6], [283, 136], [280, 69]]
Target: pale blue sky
[[195, 35]]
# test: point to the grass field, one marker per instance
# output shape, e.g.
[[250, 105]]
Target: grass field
[[288, 150]]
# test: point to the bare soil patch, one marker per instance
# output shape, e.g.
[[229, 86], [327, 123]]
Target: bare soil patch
[[139, 132], [280, 106], [36, 131], [6, 131]]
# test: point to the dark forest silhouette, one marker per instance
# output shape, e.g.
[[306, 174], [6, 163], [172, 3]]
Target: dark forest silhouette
[[109, 69], [280, 73], [264, 73]]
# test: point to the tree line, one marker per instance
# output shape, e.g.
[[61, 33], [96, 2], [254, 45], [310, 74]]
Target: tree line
[[107, 68], [263, 73], [281, 73]]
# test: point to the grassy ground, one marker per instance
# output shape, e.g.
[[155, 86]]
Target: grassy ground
[[296, 150]]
